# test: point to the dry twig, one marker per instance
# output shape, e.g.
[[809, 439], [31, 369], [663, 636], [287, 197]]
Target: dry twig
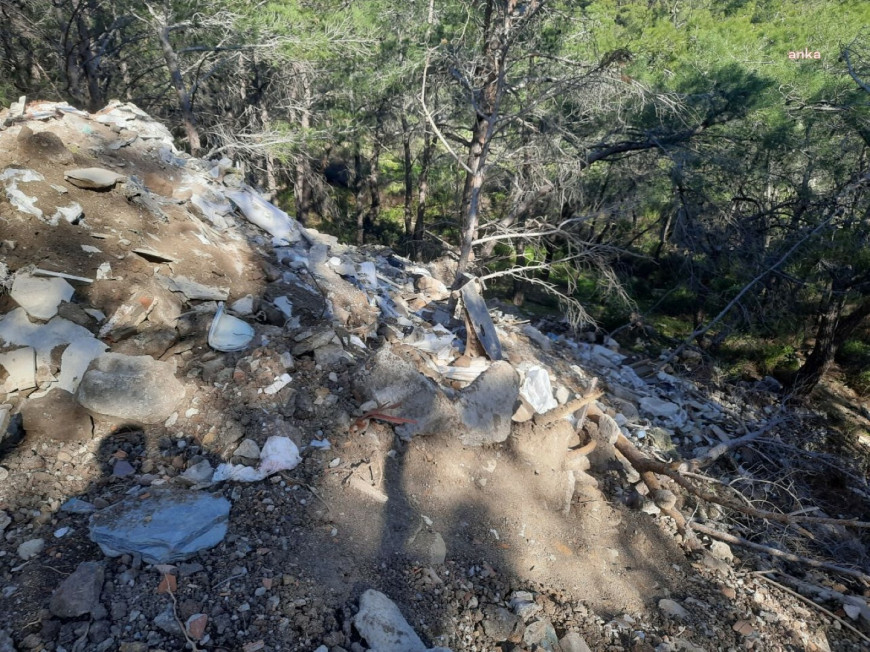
[[774, 552]]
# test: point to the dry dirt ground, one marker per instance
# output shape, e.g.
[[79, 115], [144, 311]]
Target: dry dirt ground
[[371, 512]]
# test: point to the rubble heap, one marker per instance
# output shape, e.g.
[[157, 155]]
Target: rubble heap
[[221, 426]]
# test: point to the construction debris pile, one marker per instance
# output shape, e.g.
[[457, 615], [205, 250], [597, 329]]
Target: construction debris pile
[[223, 430]]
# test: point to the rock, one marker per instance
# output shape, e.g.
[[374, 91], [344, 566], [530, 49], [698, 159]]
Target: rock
[[30, 549], [542, 634], [199, 473], [195, 626], [169, 525], [166, 621], [77, 506], [573, 642], [721, 550], [122, 469], [79, 593], [524, 605], [248, 449], [92, 178], [133, 388], [427, 547], [390, 379], [5, 520], [499, 623], [626, 408], [40, 297], [487, 405], [537, 337], [56, 416], [6, 643], [432, 287], [382, 625], [660, 408], [673, 609], [664, 499]]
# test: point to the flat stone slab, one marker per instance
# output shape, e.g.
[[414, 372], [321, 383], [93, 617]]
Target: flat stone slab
[[79, 593], [169, 525], [382, 625]]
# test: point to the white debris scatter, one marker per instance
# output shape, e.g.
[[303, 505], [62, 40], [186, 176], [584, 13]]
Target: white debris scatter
[[280, 383], [536, 389], [277, 454]]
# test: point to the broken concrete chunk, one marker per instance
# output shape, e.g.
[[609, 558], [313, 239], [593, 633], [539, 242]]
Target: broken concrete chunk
[[169, 525], [92, 178], [20, 365], [40, 297], [134, 388]]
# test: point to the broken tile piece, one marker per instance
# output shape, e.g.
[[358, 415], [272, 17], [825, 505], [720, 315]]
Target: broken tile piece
[[40, 297], [20, 365]]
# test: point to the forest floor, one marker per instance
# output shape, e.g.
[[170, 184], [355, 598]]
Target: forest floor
[[492, 545]]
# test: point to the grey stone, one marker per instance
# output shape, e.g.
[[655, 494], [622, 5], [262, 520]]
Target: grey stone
[[170, 525], [6, 643], [77, 506], [486, 406], [428, 548], [56, 416], [5, 520], [499, 623], [79, 593], [248, 449], [391, 380], [92, 178], [199, 473], [122, 469], [573, 642], [133, 388], [382, 625], [542, 634], [30, 549], [673, 608], [166, 621]]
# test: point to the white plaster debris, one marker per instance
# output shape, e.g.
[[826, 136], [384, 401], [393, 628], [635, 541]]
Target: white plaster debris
[[40, 297]]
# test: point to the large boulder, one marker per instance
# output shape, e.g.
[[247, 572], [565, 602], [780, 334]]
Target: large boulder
[[133, 388]]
